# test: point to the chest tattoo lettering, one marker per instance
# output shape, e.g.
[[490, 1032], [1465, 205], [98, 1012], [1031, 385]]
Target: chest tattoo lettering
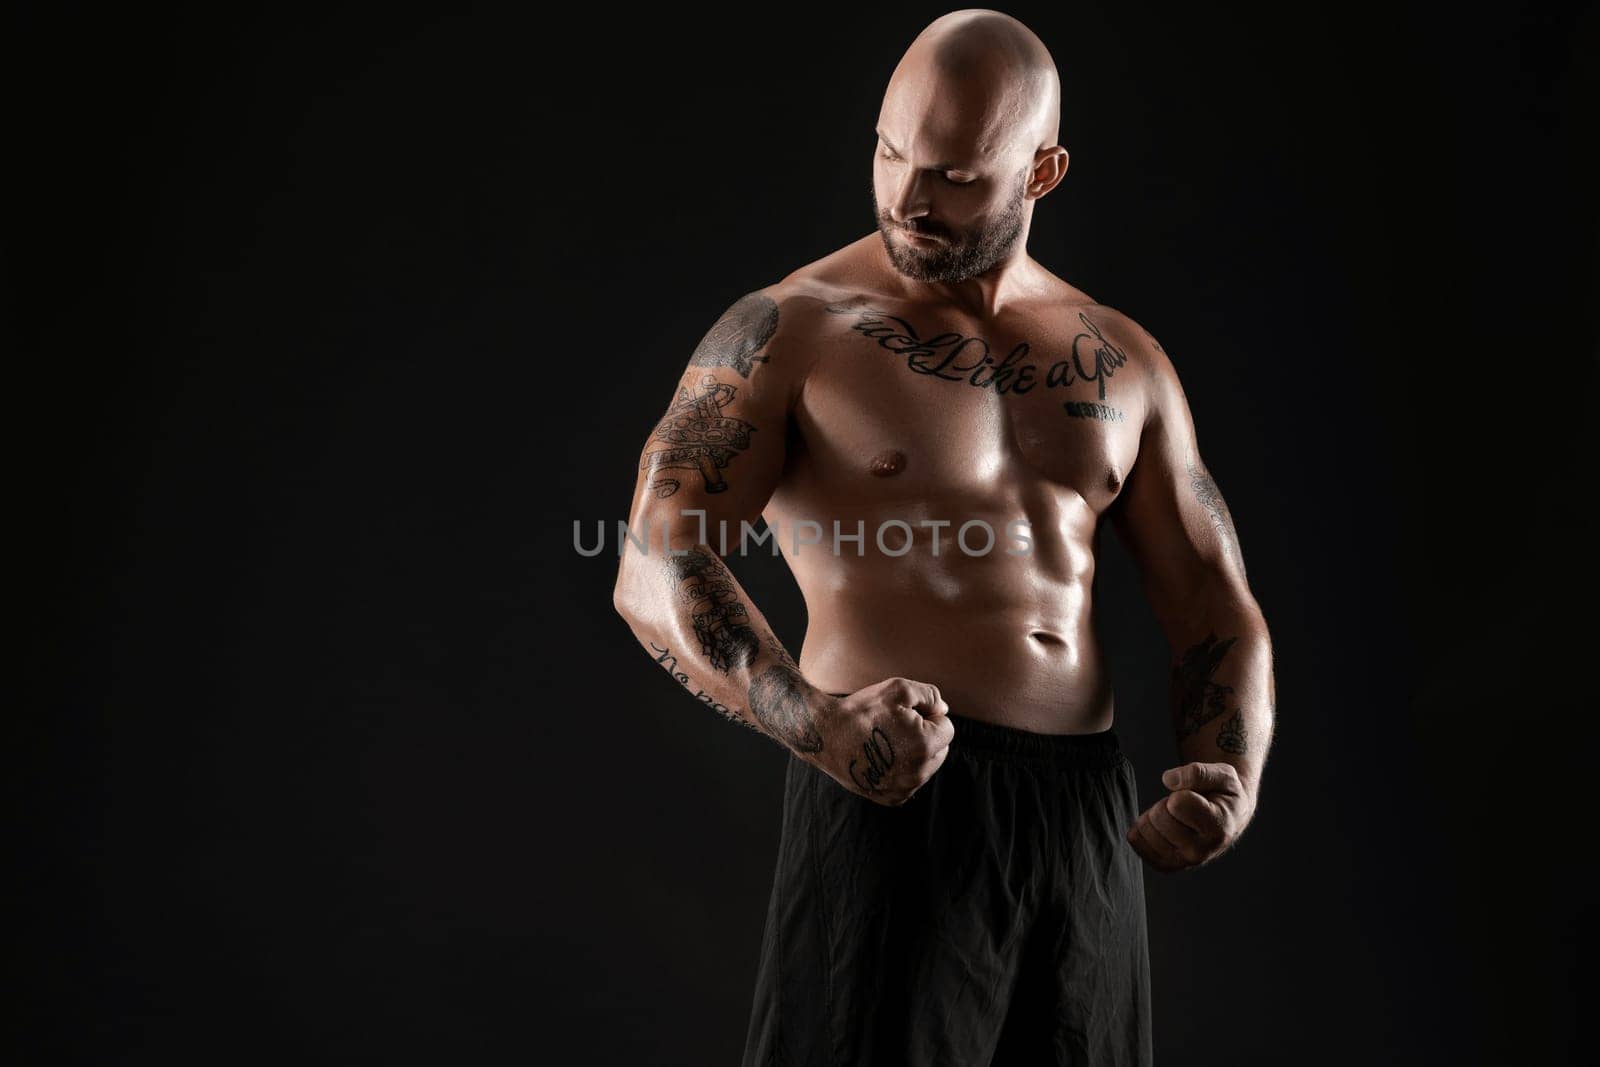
[[956, 357]]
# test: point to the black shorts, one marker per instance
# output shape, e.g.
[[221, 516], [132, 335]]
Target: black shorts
[[997, 917]]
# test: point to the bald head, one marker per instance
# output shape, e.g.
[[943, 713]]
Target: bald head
[[982, 77], [967, 145]]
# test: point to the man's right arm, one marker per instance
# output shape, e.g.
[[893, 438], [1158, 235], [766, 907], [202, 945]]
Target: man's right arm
[[712, 463]]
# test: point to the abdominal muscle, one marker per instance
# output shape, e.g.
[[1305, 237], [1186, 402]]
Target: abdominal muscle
[[1007, 639]]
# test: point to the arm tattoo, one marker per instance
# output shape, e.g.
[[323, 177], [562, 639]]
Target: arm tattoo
[[1196, 699], [1231, 738], [778, 701], [695, 435], [741, 332], [669, 663], [782, 653], [1206, 491], [720, 621]]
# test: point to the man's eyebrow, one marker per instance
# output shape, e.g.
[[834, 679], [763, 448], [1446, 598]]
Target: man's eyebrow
[[936, 166]]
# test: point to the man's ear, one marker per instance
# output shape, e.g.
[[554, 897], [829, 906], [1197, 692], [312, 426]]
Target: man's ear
[[1049, 166]]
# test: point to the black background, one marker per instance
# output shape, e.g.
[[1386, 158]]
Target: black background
[[329, 325]]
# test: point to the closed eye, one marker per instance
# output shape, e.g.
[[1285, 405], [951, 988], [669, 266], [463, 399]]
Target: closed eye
[[889, 154]]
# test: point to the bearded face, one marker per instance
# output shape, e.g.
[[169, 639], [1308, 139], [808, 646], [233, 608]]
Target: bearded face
[[939, 252]]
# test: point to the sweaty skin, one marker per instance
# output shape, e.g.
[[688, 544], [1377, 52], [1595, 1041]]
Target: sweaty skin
[[932, 372]]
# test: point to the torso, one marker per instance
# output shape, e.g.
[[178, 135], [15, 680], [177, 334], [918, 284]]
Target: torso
[[900, 418]]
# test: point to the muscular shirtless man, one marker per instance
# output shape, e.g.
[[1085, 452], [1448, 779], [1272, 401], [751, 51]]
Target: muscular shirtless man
[[957, 880]]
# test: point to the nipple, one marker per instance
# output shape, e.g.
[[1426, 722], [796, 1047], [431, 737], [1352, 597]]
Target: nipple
[[1113, 480], [888, 463]]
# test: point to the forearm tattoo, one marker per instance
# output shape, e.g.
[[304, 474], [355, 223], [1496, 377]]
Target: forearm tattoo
[[777, 699], [1231, 738], [956, 357], [782, 653], [720, 620], [741, 332], [695, 435], [669, 662], [1206, 491], [1196, 698]]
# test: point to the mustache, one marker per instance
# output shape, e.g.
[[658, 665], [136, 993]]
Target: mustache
[[920, 231], [889, 224]]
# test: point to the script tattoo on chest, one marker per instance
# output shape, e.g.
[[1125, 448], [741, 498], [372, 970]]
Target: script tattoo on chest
[[956, 357]]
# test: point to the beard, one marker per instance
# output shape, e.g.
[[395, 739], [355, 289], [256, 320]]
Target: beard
[[958, 256]]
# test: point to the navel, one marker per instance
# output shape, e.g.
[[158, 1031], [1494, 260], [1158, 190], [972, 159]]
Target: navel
[[888, 463]]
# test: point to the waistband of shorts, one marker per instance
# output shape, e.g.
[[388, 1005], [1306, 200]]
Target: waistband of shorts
[[978, 735]]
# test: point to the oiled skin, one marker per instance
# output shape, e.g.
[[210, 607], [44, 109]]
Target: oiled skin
[[1008, 638], [934, 371]]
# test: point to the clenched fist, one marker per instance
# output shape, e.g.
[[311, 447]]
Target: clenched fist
[[883, 742], [1205, 812]]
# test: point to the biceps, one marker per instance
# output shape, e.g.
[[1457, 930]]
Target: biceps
[[718, 448], [1178, 529]]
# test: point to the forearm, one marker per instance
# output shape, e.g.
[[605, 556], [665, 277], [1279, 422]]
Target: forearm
[[1223, 692], [692, 616]]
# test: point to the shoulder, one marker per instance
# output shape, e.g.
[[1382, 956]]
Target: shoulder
[[748, 326], [1119, 328], [788, 314], [852, 273], [780, 312], [1081, 313], [757, 346], [1139, 346]]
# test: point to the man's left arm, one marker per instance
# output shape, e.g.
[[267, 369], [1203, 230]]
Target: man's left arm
[[1176, 525]]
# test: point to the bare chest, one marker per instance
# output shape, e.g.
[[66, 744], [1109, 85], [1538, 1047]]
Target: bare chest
[[915, 403]]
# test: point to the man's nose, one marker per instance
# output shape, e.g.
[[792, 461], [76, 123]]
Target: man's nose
[[910, 197]]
